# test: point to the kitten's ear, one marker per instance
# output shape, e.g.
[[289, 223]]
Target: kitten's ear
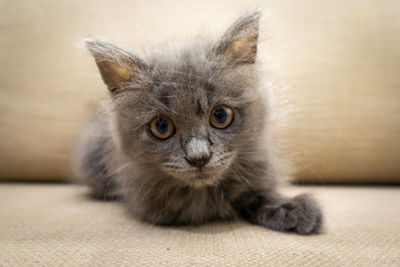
[[238, 45], [116, 65]]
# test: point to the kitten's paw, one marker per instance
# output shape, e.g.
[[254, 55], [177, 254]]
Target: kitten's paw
[[301, 214]]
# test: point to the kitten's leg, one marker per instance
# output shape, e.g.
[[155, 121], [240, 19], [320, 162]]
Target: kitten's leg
[[97, 176], [93, 160], [300, 214]]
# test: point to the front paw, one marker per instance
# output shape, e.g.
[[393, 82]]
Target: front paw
[[301, 214]]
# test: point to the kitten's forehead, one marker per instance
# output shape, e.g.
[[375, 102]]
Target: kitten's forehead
[[185, 81], [185, 98], [192, 80]]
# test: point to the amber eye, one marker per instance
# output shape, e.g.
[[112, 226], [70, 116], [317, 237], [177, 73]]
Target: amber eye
[[221, 117], [162, 127]]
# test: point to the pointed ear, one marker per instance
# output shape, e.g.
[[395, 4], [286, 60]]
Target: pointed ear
[[238, 45], [116, 65]]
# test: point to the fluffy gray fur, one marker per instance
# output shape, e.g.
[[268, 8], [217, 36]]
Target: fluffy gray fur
[[228, 175]]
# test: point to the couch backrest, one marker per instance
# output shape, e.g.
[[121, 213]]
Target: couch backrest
[[335, 66]]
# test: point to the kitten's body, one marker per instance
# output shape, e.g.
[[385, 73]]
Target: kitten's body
[[200, 172]]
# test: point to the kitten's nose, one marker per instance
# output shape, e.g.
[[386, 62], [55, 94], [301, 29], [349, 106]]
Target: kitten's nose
[[198, 152], [198, 162]]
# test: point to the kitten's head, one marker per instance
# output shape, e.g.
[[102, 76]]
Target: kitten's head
[[189, 112]]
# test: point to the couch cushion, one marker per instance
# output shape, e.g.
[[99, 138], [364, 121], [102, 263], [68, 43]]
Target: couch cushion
[[52, 225], [335, 65]]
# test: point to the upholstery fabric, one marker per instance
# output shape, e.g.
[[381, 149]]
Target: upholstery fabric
[[334, 66], [57, 225]]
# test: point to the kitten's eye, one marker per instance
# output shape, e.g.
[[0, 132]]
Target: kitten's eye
[[162, 127], [221, 117]]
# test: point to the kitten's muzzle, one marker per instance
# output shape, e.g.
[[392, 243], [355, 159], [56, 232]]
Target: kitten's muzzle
[[198, 152]]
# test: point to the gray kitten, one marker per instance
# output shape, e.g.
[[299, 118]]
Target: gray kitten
[[180, 138]]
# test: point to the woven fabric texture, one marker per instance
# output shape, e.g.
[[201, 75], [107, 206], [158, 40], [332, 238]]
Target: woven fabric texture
[[57, 225], [334, 66]]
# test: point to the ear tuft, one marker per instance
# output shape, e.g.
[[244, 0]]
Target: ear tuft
[[116, 65], [238, 45]]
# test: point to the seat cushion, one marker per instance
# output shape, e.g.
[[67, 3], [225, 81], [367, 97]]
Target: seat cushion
[[57, 224]]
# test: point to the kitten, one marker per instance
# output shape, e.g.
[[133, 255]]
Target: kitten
[[180, 138]]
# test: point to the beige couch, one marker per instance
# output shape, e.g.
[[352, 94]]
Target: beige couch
[[334, 69]]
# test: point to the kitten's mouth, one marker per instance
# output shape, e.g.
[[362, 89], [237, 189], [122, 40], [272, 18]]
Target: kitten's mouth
[[203, 172], [209, 174], [204, 177]]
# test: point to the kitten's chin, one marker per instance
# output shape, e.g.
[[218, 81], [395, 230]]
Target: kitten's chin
[[202, 182], [204, 179], [198, 179]]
